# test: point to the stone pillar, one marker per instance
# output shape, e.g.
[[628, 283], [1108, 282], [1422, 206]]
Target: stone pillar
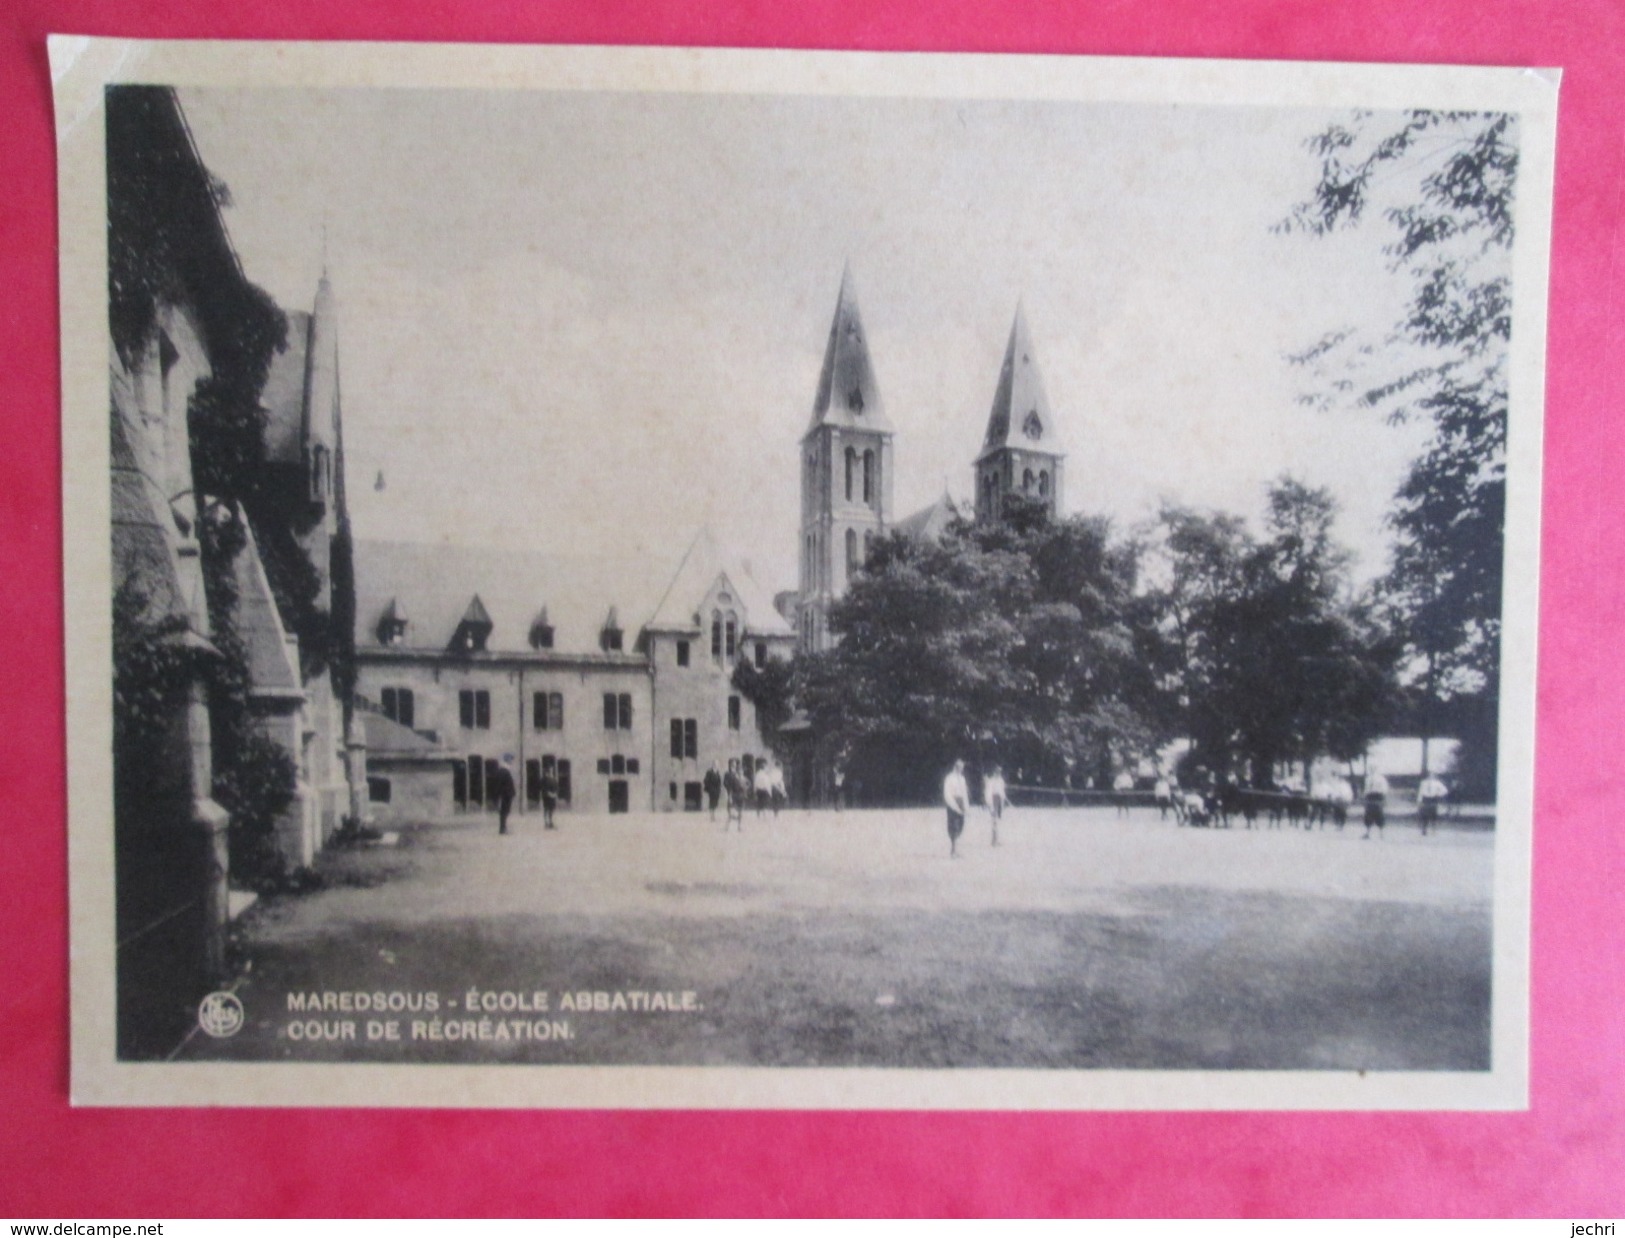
[[355, 768]]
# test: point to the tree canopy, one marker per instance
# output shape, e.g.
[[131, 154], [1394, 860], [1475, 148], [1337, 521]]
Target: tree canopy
[[1267, 655], [1443, 184], [1013, 642]]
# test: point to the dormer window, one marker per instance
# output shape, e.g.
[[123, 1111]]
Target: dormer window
[[854, 399], [473, 630], [1033, 427], [610, 637], [392, 624], [541, 631]]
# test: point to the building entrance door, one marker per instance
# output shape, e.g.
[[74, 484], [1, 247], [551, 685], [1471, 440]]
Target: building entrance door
[[620, 799]]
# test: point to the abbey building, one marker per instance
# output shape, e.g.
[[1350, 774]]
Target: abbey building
[[614, 678]]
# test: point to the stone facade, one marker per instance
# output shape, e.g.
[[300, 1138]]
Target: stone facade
[[546, 688]]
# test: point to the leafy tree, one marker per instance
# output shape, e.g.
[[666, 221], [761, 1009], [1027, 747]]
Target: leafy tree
[[1013, 642], [166, 246], [1269, 656], [771, 689], [1443, 182]]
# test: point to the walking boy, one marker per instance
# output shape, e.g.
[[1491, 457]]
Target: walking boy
[[956, 797], [995, 797]]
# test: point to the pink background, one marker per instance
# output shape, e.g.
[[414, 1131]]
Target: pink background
[[1564, 1158]]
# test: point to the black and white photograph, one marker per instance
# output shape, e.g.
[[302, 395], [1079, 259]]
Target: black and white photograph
[[800, 579]]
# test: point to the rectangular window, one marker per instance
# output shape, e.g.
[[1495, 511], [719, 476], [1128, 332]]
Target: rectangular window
[[459, 784], [378, 790], [547, 711], [611, 713], [624, 707], [682, 653], [603, 765], [399, 706], [617, 764], [733, 713], [474, 709], [761, 654], [564, 781], [691, 738], [631, 765], [677, 737]]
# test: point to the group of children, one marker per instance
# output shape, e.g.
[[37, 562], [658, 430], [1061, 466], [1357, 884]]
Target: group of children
[[1332, 802], [956, 798], [746, 781]]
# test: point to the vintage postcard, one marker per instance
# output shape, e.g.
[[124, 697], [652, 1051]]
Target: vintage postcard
[[625, 577]]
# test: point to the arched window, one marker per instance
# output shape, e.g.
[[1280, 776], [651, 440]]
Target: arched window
[[851, 467], [851, 551], [1026, 479], [868, 477], [731, 636], [1043, 483], [716, 634]]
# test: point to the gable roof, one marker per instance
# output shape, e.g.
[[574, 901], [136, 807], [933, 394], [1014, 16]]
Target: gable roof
[[848, 395], [1020, 416], [703, 564], [929, 523]]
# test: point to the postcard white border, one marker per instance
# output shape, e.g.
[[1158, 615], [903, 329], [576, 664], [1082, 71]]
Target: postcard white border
[[82, 67]]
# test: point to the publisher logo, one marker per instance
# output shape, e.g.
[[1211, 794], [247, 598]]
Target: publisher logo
[[220, 1014]]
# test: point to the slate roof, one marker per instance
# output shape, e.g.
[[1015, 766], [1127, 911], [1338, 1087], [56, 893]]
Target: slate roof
[[702, 564], [929, 523], [1020, 416], [283, 396], [848, 395], [435, 585], [141, 555], [273, 666], [388, 738]]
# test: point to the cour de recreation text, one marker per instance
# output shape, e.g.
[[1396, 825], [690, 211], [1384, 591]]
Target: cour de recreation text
[[468, 1014]]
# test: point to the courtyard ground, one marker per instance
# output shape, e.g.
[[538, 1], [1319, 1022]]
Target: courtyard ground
[[1086, 939]]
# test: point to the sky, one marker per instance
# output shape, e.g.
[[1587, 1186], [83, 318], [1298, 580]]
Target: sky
[[580, 321]]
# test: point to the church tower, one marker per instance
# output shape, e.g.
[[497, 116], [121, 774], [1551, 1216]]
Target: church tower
[[1021, 453], [846, 464]]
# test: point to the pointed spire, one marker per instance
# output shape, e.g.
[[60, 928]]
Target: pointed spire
[[322, 367], [1020, 416], [848, 394]]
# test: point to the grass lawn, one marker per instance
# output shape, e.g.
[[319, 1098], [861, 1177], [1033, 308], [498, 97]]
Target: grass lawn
[[1085, 939]]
